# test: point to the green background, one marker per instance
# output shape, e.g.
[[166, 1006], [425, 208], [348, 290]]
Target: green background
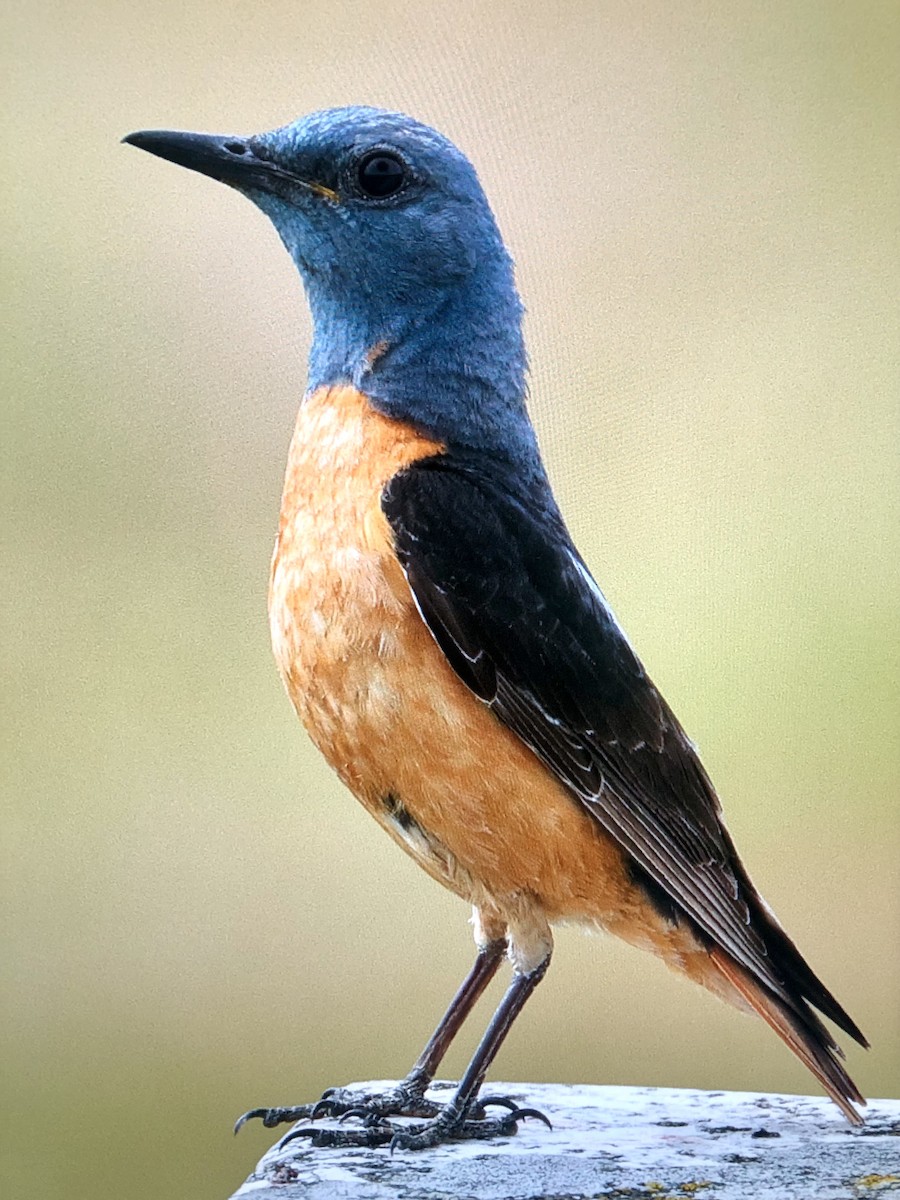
[[701, 199]]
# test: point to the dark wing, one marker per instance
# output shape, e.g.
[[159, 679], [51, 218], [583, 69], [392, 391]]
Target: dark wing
[[513, 607]]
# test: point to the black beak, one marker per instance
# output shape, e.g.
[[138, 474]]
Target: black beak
[[240, 162]]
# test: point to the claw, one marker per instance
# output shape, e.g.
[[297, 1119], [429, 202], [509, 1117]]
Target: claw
[[521, 1114], [360, 1111], [249, 1116], [337, 1137], [323, 1108], [498, 1101], [318, 1137], [271, 1117]]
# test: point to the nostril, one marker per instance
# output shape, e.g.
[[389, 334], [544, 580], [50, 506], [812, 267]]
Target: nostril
[[235, 147]]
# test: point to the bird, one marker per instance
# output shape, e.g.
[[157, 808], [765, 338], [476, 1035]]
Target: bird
[[444, 642]]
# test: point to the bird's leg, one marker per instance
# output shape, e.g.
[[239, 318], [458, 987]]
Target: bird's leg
[[408, 1097], [455, 1120], [483, 971]]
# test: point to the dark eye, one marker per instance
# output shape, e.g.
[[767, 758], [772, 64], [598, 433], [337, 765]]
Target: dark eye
[[380, 174]]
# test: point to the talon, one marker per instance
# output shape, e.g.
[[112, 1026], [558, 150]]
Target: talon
[[499, 1101], [337, 1137], [313, 1134], [271, 1117], [249, 1116], [521, 1114], [360, 1111], [323, 1108]]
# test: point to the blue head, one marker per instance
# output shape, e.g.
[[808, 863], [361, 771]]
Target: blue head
[[410, 286]]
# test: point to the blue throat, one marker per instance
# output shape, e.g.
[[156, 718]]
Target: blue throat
[[451, 361]]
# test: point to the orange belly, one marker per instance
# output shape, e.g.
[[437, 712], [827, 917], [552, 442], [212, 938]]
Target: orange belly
[[460, 792]]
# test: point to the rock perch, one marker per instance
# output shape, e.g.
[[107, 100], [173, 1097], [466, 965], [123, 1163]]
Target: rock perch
[[624, 1143]]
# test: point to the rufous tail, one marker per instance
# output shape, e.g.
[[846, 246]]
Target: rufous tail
[[802, 1031]]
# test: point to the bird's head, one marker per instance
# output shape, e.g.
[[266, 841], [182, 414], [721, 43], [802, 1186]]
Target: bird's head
[[407, 276]]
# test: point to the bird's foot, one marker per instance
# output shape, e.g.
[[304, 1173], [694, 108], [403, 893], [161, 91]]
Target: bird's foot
[[407, 1099], [449, 1125], [271, 1117]]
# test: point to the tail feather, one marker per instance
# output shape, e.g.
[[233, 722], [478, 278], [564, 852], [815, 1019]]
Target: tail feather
[[793, 968], [798, 973], [800, 1029]]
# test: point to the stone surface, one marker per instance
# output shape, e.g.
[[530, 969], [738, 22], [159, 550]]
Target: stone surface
[[622, 1143]]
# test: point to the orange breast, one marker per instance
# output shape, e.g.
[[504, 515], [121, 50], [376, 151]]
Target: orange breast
[[338, 600], [455, 788]]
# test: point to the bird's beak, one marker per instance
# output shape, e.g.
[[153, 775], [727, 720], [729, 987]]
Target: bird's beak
[[241, 162]]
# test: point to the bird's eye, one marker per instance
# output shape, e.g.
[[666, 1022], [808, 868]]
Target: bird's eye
[[380, 174]]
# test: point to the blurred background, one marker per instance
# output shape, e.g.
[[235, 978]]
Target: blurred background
[[701, 199]]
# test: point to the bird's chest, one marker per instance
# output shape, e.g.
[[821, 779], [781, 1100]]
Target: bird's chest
[[341, 614]]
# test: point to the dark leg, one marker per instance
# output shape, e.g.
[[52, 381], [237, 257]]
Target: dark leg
[[470, 992], [455, 1120], [408, 1098]]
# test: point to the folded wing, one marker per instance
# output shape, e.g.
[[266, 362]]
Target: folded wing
[[514, 609]]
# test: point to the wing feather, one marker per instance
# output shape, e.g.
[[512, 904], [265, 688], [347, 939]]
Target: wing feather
[[517, 614]]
